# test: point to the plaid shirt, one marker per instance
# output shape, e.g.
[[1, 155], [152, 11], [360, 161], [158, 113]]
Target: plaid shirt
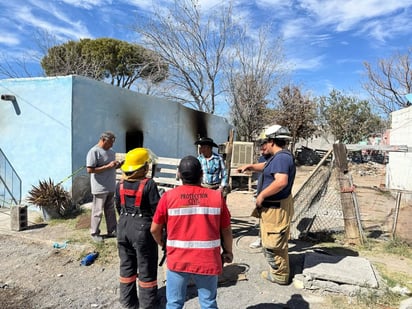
[[214, 170]]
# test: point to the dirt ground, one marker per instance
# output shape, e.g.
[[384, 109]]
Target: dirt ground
[[34, 274]]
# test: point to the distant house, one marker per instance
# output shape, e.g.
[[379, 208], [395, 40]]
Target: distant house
[[47, 126], [399, 168]]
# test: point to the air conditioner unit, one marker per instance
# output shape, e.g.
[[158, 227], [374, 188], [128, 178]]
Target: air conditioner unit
[[242, 153]]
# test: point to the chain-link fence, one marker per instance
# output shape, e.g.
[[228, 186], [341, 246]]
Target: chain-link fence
[[317, 204], [318, 208], [327, 210]]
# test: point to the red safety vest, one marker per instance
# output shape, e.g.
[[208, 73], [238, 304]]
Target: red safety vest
[[194, 217]]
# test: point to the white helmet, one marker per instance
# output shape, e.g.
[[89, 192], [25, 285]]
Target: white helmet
[[278, 132]]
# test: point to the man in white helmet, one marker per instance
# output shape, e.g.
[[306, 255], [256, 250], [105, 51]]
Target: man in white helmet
[[264, 156], [275, 203]]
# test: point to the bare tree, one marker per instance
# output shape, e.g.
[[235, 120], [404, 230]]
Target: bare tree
[[297, 112], [253, 71], [14, 68], [389, 81], [192, 44], [22, 66]]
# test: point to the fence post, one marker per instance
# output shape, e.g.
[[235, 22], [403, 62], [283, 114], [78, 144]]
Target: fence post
[[350, 217]]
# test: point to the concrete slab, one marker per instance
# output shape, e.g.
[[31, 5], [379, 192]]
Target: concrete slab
[[340, 269]]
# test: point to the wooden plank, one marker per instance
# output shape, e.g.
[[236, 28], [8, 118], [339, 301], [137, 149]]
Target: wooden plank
[[167, 161], [168, 181], [389, 148], [341, 157], [229, 151], [317, 167], [162, 170]]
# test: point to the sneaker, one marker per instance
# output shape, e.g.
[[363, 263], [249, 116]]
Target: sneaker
[[97, 238], [269, 277], [256, 244]]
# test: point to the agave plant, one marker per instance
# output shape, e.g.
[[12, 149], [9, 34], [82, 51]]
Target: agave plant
[[50, 197]]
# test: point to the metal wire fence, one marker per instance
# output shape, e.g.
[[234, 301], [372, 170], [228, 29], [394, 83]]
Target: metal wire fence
[[318, 209]]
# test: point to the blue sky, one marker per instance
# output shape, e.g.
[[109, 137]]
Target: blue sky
[[325, 41]]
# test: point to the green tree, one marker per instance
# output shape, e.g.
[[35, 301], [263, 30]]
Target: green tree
[[297, 112], [118, 61], [348, 118]]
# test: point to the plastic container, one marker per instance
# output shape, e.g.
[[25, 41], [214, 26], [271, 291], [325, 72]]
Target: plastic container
[[89, 259]]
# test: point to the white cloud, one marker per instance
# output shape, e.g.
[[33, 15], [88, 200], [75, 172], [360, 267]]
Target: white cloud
[[347, 14], [306, 64], [382, 30], [9, 39], [273, 3], [294, 29], [87, 4], [70, 30]]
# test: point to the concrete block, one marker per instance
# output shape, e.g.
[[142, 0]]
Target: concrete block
[[18, 215]]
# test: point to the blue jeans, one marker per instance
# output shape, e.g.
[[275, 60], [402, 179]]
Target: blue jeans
[[176, 287]]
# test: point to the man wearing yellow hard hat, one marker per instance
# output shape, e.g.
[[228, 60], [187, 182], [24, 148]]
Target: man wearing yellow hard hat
[[136, 201]]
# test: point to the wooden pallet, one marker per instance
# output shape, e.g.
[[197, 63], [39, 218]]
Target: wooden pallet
[[164, 172]]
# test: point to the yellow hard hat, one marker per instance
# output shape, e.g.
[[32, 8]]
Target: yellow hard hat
[[135, 159]]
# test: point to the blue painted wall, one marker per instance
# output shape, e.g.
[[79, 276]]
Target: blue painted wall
[[61, 118], [37, 141]]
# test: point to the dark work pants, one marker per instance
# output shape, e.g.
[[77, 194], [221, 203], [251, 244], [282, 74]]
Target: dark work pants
[[138, 253]]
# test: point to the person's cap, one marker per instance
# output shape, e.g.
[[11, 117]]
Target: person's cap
[[206, 141], [190, 169]]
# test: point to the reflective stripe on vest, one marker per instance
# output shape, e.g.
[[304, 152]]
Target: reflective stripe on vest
[[130, 192], [196, 244], [193, 210]]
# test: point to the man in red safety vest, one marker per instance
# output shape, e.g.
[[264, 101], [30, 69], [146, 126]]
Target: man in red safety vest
[[197, 223]]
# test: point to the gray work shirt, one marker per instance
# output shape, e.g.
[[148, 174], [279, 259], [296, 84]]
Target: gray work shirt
[[104, 182]]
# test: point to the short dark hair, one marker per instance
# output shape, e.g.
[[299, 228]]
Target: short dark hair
[[278, 142], [190, 170]]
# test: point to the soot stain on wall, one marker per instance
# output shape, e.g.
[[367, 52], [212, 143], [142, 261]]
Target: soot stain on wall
[[197, 123], [133, 130]]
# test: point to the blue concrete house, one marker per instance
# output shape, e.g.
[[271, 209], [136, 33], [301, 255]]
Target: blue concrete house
[[47, 125]]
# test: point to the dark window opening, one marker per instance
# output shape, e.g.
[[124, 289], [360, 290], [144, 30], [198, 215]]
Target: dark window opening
[[134, 140]]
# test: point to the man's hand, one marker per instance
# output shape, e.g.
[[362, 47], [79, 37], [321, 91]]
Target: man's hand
[[227, 257], [112, 164], [243, 168], [259, 200]]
